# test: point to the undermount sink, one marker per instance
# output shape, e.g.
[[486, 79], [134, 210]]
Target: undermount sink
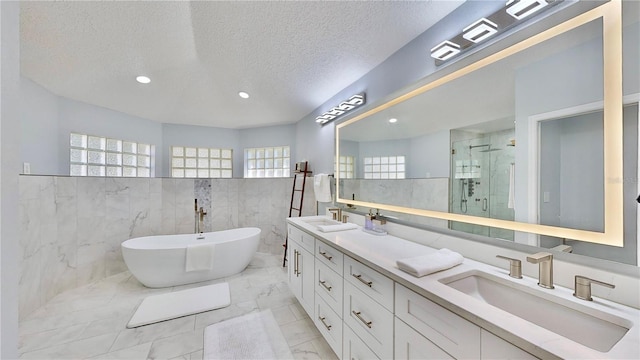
[[321, 222], [590, 327]]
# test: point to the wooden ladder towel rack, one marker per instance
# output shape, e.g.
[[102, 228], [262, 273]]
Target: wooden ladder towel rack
[[298, 172]]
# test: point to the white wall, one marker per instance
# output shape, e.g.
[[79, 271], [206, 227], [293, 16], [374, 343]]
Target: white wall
[[39, 123], [9, 170]]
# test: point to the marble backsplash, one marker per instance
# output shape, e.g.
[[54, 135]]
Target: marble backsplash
[[72, 227]]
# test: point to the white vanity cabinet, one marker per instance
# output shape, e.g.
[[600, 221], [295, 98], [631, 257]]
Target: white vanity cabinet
[[329, 293], [368, 307], [410, 345], [493, 347], [301, 269], [456, 336]]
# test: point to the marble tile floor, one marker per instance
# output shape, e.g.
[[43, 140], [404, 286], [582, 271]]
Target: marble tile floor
[[90, 322]]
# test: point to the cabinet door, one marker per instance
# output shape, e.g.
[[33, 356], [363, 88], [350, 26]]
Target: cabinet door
[[410, 345], [369, 320], [306, 269], [450, 332], [493, 347], [295, 282], [301, 276], [329, 324], [329, 286], [354, 348]]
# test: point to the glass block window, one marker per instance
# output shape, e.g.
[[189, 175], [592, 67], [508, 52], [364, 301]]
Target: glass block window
[[267, 162], [384, 167], [346, 167], [197, 162], [100, 156]]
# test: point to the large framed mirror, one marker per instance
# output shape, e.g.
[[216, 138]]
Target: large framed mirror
[[525, 144]]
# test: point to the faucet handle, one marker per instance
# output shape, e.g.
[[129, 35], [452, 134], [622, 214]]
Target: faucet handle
[[582, 286], [515, 266]]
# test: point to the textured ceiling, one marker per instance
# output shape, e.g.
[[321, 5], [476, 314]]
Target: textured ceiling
[[290, 56]]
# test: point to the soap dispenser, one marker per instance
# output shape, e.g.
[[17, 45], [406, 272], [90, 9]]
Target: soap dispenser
[[368, 220]]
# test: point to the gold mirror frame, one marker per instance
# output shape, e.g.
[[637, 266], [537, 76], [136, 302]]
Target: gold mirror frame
[[611, 14]]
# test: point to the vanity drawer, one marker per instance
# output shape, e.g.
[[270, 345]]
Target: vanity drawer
[[354, 348], [450, 332], [329, 256], [410, 345], [369, 320], [305, 240], [329, 324], [329, 286], [371, 282]]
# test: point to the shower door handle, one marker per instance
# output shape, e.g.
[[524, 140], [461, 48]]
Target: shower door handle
[[485, 204]]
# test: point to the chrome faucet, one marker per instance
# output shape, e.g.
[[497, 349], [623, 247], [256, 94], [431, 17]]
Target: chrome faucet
[[545, 270], [582, 286]]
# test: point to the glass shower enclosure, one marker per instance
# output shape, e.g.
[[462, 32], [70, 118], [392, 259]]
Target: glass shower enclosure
[[482, 184]]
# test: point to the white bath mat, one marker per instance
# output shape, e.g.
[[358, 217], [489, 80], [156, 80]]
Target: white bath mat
[[252, 336], [172, 305]]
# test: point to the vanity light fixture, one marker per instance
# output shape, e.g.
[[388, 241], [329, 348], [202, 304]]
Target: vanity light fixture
[[445, 50], [520, 9], [512, 13], [346, 106], [243, 94], [143, 79], [480, 30], [393, 120]]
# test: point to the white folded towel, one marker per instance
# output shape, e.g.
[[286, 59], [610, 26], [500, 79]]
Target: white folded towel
[[427, 264], [199, 257], [322, 188], [340, 227]]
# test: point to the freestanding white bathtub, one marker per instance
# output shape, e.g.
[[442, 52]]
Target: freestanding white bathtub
[[160, 261]]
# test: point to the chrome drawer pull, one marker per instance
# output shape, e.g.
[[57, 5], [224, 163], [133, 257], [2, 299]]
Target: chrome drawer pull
[[326, 256], [359, 277], [323, 283], [357, 314], [324, 323]]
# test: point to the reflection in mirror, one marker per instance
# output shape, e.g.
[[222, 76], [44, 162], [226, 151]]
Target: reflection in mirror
[[456, 142], [511, 141]]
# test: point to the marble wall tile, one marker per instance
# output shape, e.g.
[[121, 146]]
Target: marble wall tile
[[202, 192], [184, 206], [67, 219], [59, 270], [29, 298], [66, 186], [91, 195], [168, 206]]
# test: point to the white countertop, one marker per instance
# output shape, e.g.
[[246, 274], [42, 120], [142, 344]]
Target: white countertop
[[381, 253]]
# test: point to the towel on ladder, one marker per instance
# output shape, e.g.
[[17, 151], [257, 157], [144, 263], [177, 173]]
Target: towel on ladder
[[199, 257]]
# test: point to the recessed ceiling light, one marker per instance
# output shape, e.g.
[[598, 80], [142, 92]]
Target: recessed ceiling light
[[243, 95], [393, 120], [143, 79]]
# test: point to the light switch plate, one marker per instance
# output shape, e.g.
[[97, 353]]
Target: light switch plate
[[26, 168]]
